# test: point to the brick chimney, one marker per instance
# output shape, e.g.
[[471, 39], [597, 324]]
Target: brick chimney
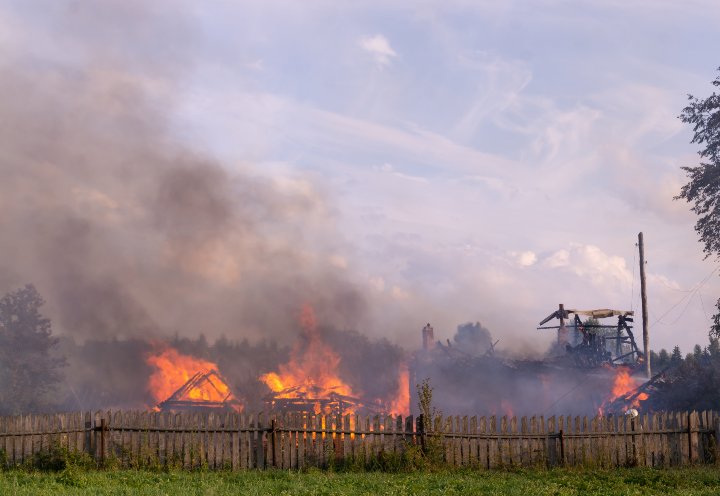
[[428, 336]]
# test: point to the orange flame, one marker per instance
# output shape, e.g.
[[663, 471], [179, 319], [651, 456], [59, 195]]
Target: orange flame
[[173, 370], [623, 385], [312, 369], [400, 404]]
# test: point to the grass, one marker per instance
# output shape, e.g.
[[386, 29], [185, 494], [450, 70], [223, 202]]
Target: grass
[[637, 481]]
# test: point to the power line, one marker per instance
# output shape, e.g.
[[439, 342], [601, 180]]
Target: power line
[[702, 303], [690, 294]]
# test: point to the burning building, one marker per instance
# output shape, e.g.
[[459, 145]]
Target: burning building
[[585, 377], [310, 381], [182, 382]]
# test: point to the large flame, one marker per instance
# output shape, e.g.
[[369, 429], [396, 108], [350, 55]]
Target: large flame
[[311, 371], [623, 385], [400, 404], [173, 370]]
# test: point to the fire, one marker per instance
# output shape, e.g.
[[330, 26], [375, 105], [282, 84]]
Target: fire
[[173, 370], [400, 405], [312, 369], [623, 385]]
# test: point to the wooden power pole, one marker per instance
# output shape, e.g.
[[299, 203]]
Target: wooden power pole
[[643, 295]]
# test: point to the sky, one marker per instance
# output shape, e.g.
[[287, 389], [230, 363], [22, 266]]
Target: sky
[[475, 160]]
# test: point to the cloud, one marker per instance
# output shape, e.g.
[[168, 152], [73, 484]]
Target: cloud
[[389, 169], [379, 47], [591, 263], [524, 258]]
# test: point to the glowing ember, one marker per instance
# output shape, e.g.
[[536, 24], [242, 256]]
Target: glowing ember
[[173, 370], [312, 369]]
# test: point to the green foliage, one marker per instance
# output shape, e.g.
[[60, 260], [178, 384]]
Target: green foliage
[[663, 358], [73, 477], [409, 460], [676, 358], [693, 382], [432, 440], [29, 367], [425, 404], [60, 458], [703, 187]]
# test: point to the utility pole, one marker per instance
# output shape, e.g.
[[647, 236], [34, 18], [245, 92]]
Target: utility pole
[[643, 295]]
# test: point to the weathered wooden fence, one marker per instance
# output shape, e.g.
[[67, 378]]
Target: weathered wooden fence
[[293, 441]]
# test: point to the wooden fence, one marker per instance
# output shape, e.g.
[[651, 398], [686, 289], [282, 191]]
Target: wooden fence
[[294, 441]]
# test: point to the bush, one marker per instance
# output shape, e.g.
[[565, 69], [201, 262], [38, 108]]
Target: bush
[[60, 458]]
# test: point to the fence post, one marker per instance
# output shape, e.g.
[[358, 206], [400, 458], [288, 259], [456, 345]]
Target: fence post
[[103, 428], [562, 447], [634, 461], [273, 439], [89, 441], [717, 440], [421, 432], [692, 437]]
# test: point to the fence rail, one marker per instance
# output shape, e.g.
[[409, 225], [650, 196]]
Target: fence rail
[[295, 441]]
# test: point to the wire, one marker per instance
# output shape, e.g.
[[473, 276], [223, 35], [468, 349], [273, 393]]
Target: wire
[[690, 294], [683, 310], [702, 303]]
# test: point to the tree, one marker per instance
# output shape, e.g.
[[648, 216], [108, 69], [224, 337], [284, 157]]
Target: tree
[[703, 187], [714, 348], [473, 338], [29, 365], [697, 352], [676, 358]]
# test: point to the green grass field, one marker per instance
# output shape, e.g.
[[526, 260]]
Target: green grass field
[[526, 483]]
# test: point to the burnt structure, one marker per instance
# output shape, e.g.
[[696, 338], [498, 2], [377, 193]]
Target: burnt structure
[[591, 345], [576, 377], [195, 393], [315, 399], [642, 392]]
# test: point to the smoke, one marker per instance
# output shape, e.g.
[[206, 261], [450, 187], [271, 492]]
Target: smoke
[[124, 230], [473, 338]]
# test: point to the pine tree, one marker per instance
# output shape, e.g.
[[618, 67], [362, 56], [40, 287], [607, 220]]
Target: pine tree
[[676, 358]]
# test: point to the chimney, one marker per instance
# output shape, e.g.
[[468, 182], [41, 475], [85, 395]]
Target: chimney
[[428, 337]]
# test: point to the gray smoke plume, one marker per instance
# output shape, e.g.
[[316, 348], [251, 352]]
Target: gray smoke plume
[[124, 230]]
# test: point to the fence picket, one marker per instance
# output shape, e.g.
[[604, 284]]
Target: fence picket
[[483, 443], [457, 441], [387, 429], [473, 459], [524, 443], [536, 442], [693, 448], [6, 445]]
